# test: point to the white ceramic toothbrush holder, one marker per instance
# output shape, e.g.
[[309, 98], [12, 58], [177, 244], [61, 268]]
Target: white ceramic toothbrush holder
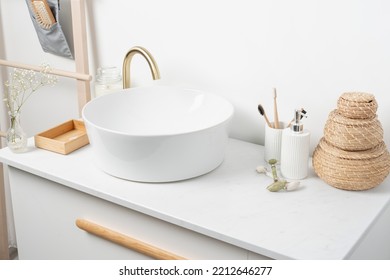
[[273, 142]]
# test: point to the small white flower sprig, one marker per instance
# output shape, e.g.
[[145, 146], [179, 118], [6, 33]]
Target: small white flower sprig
[[278, 184], [23, 84]]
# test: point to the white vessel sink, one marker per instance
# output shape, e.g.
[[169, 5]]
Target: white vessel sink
[[158, 133]]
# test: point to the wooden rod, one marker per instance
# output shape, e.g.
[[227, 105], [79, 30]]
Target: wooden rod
[[126, 241], [68, 74]]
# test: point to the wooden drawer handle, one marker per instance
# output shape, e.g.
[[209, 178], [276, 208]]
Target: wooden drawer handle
[[126, 241]]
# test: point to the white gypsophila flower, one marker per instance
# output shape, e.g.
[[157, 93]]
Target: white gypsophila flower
[[47, 78], [23, 84]]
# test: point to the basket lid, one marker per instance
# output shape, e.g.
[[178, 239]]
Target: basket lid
[[358, 97], [357, 105]]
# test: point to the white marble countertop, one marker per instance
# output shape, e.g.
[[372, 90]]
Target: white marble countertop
[[230, 203]]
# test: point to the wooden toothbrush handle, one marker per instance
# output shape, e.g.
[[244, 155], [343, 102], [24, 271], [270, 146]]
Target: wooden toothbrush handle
[[276, 115]]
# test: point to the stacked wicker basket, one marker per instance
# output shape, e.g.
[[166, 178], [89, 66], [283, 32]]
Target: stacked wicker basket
[[352, 154]]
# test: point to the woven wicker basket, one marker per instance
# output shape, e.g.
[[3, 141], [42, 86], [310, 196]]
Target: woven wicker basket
[[348, 170], [353, 134], [357, 105]]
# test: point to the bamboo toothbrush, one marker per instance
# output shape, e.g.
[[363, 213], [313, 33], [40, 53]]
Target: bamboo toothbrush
[[262, 112], [43, 13], [276, 115]]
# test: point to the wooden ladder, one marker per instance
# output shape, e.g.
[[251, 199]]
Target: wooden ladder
[[83, 78]]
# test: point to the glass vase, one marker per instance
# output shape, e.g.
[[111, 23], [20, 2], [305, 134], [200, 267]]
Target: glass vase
[[16, 138]]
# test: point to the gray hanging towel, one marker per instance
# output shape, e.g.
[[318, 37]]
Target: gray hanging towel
[[44, 15]]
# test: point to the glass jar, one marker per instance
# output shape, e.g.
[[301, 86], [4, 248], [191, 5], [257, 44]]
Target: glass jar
[[108, 79]]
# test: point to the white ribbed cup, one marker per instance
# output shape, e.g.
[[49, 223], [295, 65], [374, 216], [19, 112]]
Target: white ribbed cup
[[273, 142]]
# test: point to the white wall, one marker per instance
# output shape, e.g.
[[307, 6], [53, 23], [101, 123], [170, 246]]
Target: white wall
[[311, 51]]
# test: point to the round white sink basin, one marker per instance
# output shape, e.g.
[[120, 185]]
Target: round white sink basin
[[158, 133]]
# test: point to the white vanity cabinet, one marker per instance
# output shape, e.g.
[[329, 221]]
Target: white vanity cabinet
[[45, 215], [225, 214]]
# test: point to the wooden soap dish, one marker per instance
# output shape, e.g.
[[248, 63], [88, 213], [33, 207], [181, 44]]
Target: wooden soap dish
[[64, 138]]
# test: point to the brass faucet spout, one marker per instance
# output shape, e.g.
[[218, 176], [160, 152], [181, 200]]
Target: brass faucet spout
[[127, 61]]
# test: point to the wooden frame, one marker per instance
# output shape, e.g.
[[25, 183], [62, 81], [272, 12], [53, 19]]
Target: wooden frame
[[83, 89]]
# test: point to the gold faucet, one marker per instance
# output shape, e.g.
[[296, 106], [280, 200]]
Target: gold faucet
[[127, 61]]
